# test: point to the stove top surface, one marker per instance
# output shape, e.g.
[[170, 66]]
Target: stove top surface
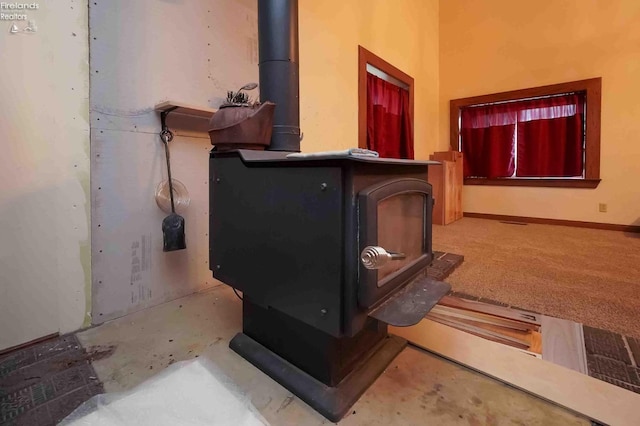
[[253, 156]]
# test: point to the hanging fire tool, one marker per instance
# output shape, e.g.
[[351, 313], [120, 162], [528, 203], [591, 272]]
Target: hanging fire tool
[[172, 225]]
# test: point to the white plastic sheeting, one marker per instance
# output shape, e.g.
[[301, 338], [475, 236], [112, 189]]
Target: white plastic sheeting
[[186, 393]]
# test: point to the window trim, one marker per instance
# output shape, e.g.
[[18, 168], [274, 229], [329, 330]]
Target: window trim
[[593, 88], [366, 57]]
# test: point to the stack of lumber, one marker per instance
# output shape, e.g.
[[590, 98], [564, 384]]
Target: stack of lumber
[[502, 325]]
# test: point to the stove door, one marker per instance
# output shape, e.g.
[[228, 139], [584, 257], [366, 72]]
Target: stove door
[[394, 220]]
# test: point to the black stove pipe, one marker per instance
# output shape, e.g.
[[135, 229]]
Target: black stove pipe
[[279, 82]]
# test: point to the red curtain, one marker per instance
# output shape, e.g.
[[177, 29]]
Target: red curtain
[[389, 126], [550, 137], [548, 131], [488, 140]]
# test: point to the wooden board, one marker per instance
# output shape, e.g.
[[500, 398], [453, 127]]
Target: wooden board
[[483, 318], [510, 332], [481, 330], [536, 343], [436, 179], [563, 343], [500, 311], [186, 109], [446, 180], [446, 156], [454, 177], [578, 392]]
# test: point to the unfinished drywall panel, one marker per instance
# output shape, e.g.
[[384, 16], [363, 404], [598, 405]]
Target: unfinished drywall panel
[[44, 169], [143, 53], [496, 45]]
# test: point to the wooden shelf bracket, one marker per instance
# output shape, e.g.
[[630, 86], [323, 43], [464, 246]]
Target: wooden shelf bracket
[[165, 108]]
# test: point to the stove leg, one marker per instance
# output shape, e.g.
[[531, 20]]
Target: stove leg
[[331, 402]]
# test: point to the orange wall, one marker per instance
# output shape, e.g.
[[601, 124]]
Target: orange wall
[[491, 46], [404, 33]]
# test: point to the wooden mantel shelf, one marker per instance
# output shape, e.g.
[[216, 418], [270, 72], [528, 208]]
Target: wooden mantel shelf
[[186, 109]]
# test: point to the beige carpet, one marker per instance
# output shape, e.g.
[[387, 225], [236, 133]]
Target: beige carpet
[[585, 275]]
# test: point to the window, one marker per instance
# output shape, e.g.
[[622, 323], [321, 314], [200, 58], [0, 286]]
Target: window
[[385, 107], [544, 136]]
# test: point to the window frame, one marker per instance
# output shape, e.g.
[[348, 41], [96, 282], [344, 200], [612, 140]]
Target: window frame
[[593, 89], [366, 57]]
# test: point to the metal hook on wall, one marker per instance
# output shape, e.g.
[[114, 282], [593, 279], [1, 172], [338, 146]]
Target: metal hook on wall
[[165, 134]]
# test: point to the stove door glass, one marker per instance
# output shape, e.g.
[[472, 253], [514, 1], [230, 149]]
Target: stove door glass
[[394, 236], [401, 230]]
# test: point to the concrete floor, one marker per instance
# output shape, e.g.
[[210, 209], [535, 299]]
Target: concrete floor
[[418, 388]]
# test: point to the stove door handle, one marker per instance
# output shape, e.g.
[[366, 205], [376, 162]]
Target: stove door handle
[[396, 256], [375, 257]]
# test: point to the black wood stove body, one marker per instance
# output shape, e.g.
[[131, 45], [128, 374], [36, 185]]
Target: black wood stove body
[[327, 251]]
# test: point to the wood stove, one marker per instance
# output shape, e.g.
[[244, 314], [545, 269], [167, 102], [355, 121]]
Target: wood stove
[[327, 251]]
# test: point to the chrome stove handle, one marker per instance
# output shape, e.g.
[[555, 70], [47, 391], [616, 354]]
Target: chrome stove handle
[[374, 257]]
